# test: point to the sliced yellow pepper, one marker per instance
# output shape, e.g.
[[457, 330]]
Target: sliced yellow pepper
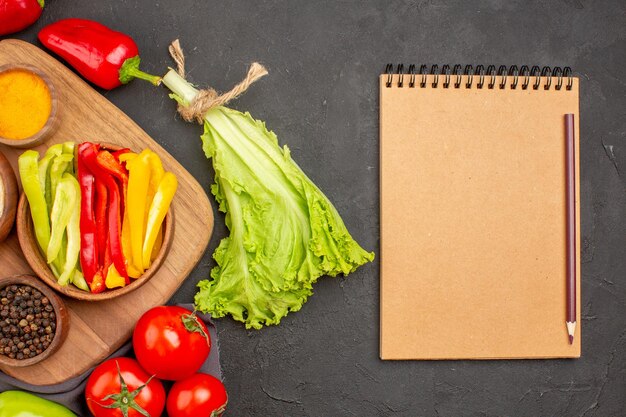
[[138, 182], [127, 156], [132, 271], [114, 279], [156, 175], [157, 245], [158, 209]]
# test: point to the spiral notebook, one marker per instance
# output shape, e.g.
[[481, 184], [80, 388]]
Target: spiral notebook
[[473, 214]]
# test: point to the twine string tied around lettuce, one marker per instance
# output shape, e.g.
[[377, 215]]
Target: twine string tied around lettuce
[[208, 98]]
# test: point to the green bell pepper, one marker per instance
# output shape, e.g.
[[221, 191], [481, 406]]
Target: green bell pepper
[[23, 404], [69, 148], [63, 208], [79, 280], [45, 164], [29, 174], [44, 171], [56, 215], [60, 166], [73, 227], [57, 161]]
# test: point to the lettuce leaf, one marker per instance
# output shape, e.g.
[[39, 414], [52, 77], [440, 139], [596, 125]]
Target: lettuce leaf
[[284, 232]]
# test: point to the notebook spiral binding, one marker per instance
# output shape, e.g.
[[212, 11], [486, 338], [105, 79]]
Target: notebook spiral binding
[[480, 73]]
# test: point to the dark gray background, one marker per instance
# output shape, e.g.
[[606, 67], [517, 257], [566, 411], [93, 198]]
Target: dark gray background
[[321, 98]]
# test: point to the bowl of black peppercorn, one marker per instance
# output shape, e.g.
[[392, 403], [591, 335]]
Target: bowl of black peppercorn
[[34, 321]]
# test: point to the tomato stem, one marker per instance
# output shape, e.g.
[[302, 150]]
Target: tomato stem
[[125, 400], [192, 324]]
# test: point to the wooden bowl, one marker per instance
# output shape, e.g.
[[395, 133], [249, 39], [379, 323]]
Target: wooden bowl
[[37, 260], [53, 120], [62, 319], [8, 197]]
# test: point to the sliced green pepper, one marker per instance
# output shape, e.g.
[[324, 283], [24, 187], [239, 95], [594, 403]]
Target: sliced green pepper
[[29, 175], [51, 170], [23, 404], [68, 149], [58, 264], [60, 165], [63, 209], [79, 280], [73, 227], [44, 171], [55, 162], [56, 149]]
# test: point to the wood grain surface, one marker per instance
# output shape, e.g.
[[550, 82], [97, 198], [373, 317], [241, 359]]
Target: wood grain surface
[[99, 328], [8, 197]]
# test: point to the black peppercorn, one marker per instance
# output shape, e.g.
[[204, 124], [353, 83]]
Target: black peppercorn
[[27, 322]]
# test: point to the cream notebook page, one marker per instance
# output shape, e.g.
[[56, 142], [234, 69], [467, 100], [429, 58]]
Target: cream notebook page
[[473, 220]]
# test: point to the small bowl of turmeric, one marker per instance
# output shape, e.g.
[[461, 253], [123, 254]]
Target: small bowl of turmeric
[[29, 106]]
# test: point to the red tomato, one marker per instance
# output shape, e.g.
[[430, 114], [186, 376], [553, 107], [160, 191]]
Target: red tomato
[[108, 380], [200, 395], [171, 342]]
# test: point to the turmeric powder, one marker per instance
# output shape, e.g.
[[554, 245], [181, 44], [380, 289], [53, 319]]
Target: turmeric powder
[[25, 104]]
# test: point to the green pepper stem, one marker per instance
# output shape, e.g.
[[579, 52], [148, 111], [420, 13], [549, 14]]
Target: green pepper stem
[[137, 73], [41, 3], [130, 70]]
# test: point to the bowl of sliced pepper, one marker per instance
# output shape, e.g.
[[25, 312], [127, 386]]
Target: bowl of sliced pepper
[[94, 220]]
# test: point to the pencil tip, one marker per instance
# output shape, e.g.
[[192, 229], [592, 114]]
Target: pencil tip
[[571, 328]]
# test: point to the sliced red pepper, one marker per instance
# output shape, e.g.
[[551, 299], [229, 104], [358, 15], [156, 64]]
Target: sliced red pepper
[[107, 261], [117, 154], [88, 241], [102, 230], [114, 210], [97, 284], [115, 233], [108, 162]]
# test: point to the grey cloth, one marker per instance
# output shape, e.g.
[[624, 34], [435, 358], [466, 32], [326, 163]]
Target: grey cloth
[[70, 393]]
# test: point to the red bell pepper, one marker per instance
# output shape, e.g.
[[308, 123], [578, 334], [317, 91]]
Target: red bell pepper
[[107, 261], [109, 163], [117, 154], [88, 241], [102, 231], [114, 219], [16, 15], [103, 56], [97, 285]]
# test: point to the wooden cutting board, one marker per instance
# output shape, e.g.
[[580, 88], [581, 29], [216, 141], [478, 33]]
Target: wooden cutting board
[[99, 328]]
